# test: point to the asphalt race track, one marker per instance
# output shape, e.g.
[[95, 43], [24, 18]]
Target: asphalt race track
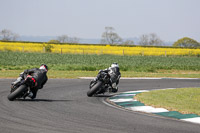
[[62, 106]]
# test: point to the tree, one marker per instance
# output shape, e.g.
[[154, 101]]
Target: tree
[[110, 37], [186, 42], [73, 40], [154, 40], [53, 41], [8, 35], [128, 42], [48, 48], [67, 39], [150, 39], [63, 38], [144, 40]]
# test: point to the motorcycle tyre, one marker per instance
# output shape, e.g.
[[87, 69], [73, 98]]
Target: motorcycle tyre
[[12, 96], [94, 89]]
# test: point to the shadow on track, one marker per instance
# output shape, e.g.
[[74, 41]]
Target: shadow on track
[[103, 95], [41, 100]]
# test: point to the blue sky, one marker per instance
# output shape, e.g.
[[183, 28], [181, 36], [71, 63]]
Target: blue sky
[[169, 19]]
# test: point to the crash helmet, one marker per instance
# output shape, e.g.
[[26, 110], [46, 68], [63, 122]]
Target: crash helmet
[[44, 66], [113, 65]]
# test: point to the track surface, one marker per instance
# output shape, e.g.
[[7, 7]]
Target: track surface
[[63, 107]]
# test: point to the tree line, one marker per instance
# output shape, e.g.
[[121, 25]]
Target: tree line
[[110, 37]]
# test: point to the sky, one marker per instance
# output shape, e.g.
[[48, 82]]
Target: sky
[[169, 19]]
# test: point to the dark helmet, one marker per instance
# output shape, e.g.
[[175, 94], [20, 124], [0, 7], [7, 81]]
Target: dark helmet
[[44, 66]]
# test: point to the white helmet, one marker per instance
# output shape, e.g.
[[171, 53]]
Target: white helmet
[[114, 65]]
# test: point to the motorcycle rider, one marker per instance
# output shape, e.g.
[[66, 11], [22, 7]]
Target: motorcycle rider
[[38, 78], [112, 70]]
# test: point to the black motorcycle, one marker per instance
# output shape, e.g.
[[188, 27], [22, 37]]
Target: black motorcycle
[[104, 83], [21, 89]]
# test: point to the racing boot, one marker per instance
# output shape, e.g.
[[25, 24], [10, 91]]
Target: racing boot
[[28, 94], [114, 90]]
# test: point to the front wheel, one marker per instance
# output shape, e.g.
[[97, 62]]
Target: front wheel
[[15, 94], [94, 89]]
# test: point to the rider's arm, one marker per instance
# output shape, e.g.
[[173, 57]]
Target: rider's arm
[[105, 70], [29, 71]]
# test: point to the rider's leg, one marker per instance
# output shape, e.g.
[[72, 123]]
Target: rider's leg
[[33, 93]]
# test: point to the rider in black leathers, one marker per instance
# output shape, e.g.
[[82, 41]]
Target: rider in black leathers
[[113, 68], [38, 77]]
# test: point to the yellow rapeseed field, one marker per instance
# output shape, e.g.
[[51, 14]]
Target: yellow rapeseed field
[[96, 49]]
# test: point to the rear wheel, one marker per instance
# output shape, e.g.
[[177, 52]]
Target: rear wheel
[[15, 94], [94, 89]]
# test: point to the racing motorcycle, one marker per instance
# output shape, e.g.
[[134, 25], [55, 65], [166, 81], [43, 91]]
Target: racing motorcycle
[[104, 83], [22, 88]]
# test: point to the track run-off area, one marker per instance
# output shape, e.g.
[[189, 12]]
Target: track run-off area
[[62, 106]]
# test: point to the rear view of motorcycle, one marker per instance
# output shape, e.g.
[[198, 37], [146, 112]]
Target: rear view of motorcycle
[[21, 89], [106, 81]]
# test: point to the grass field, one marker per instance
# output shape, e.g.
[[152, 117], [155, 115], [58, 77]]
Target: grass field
[[77, 74], [184, 100], [71, 62]]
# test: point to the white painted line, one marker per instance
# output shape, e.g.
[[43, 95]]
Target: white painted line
[[194, 120], [86, 77], [121, 78], [140, 78], [122, 100], [148, 109], [165, 89], [126, 95], [182, 78], [136, 91]]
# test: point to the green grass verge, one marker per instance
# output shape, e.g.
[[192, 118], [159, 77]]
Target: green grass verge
[[77, 74], [184, 100], [50, 74]]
